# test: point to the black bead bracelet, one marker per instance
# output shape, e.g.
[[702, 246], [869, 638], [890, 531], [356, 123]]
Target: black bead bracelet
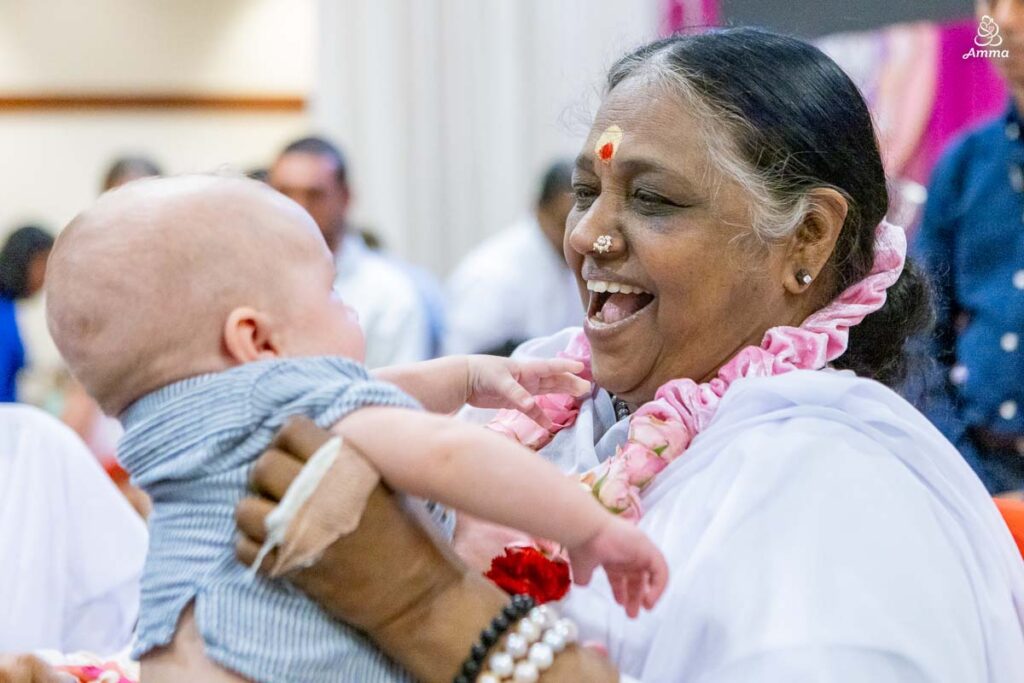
[[516, 609]]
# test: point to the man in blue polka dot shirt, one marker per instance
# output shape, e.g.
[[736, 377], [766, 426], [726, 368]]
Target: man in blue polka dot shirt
[[972, 242]]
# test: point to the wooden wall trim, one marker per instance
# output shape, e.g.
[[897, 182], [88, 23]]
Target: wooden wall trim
[[99, 101]]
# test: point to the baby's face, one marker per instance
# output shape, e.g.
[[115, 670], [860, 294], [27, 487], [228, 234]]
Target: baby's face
[[320, 322]]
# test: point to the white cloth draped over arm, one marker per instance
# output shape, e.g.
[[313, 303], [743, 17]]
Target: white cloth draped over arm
[[820, 530], [72, 547]]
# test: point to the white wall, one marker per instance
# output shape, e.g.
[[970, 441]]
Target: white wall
[[52, 161], [449, 109]]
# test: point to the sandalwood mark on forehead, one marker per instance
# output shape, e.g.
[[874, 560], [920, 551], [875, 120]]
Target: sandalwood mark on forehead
[[608, 143]]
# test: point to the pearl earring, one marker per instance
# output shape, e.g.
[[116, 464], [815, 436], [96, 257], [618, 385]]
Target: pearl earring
[[803, 277]]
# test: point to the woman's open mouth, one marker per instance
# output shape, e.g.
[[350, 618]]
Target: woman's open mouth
[[615, 303]]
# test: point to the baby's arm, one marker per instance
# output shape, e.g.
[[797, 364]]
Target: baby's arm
[[489, 476], [446, 384], [441, 385]]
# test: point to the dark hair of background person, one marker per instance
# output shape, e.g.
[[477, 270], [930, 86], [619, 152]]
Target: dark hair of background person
[[807, 126], [127, 168], [319, 146], [556, 181], [259, 174], [22, 246]]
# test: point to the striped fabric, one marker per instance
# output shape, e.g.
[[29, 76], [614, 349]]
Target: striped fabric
[[190, 446]]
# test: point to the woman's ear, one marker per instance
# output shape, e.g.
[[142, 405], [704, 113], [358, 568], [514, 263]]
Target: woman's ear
[[815, 239], [249, 336]]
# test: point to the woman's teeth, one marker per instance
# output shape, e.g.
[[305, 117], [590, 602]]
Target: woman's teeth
[[601, 286], [613, 302]]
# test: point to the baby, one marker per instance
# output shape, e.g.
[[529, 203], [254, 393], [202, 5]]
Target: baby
[[200, 311]]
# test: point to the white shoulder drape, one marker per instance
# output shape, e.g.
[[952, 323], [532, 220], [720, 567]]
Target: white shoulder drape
[[820, 529]]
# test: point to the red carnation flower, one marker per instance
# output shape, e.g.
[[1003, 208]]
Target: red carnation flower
[[526, 570]]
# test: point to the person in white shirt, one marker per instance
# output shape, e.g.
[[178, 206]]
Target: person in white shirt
[[313, 172], [515, 286], [73, 548]]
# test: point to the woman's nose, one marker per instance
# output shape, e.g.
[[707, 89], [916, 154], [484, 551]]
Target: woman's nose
[[596, 233]]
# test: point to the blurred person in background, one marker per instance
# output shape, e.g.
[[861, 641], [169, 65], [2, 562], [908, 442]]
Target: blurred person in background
[[313, 172], [22, 271], [128, 168], [516, 286], [972, 242]]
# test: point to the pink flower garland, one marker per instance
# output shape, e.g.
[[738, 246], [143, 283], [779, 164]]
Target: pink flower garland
[[662, 429]]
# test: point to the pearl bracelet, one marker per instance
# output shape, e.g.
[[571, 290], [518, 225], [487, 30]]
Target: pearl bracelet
[[518, 607], [530, 648]]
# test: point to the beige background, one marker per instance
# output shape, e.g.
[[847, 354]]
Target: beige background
[[448, 109]]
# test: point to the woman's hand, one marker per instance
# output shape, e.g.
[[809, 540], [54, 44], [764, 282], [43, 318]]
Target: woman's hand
[[494, 382], [636, 569]]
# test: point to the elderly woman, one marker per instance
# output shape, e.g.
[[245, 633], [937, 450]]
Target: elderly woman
[[747, 308]]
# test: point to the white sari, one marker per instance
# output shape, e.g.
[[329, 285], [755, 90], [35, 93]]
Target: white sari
[[820, 529]]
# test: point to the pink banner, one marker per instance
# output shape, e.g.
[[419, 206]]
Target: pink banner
[[684, 14]]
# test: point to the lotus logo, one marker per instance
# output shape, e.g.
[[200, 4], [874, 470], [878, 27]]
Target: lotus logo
[[988, 33], [988, 39]]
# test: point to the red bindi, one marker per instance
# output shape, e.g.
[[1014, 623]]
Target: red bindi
[[606, 151]]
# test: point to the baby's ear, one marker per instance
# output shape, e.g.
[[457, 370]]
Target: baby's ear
[[249, 336]]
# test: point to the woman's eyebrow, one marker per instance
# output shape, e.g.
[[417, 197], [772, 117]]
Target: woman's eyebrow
[[585, 162], [637, 166]]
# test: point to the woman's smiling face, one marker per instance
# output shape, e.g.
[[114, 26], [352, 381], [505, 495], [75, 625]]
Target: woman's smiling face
[[698, 286]]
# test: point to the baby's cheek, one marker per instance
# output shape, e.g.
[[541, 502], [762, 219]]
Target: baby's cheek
[[356, 344]]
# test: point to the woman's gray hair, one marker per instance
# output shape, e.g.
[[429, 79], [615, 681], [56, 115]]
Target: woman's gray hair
[[782, 120]]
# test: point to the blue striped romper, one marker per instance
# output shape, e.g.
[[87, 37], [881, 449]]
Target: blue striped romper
[[190, 446]]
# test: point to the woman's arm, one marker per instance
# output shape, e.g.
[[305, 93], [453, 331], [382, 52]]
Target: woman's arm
[[446, 384]]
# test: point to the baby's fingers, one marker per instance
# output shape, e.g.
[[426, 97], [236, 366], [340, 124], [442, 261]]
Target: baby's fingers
[[627, 589], [582, 572], [535, 371], [657, 581], [563, 383], [524, 402], [552, 366], [619, 590]]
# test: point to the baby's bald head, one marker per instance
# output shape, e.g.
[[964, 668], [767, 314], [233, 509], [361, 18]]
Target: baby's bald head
[[140, 285]]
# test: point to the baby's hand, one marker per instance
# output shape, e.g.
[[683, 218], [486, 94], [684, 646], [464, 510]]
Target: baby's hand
[[636, 569], [506, 383]]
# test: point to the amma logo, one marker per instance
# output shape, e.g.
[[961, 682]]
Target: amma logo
[[988, 37]]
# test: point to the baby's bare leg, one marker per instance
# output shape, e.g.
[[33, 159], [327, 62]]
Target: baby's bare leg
[[185, 659]]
